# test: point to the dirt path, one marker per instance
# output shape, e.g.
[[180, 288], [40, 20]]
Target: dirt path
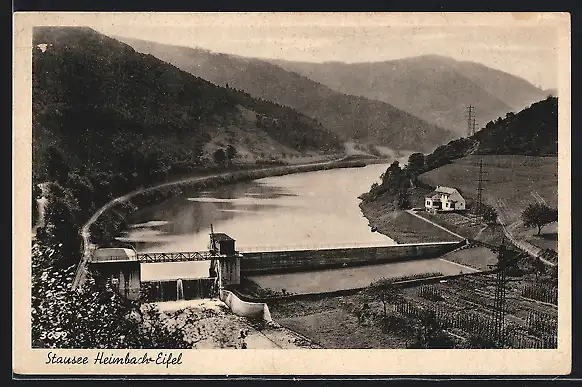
[[530, 249], [480, 232], [538, 198], [411, 212], [41, 204]]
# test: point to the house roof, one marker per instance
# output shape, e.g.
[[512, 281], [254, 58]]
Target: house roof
[[445, 190], [113, 254], [221, 237], [436, 194]]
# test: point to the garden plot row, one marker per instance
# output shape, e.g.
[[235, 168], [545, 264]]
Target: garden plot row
[[535, 331]]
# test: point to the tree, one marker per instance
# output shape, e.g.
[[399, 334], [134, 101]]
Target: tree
[[403, 200], [230, 153], [415, 164], [385, 291], [102, 190], [479, 342], [82, 190], [61, 222], [489, 214], [538, 215], [219, 156], [392, 172], [539, 267], [57, 167], [95, 317]]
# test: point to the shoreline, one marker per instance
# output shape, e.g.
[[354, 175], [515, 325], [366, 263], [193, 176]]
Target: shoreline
[[200, 182], [403, 227]]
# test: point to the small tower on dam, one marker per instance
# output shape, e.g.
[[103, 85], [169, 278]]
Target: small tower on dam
[[228, 259], [121, 267]]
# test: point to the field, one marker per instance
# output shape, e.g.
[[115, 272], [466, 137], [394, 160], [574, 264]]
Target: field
[[513, 183], [455, 222], [403, 227], [463, 308], [476, 257], [332, 323]]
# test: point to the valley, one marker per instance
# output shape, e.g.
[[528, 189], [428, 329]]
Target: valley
[[322, 170]]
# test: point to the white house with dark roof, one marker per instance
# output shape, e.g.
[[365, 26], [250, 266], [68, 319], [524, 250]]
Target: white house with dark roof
[[444, 199]]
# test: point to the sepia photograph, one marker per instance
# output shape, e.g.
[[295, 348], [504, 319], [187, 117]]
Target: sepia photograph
[[273, 181]]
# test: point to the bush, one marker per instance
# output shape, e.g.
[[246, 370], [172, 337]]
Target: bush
[[95, 317]]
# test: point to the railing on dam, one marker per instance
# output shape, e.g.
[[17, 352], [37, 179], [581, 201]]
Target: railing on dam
[[174, 257], [281, 249], [313, 259], [331, 246]]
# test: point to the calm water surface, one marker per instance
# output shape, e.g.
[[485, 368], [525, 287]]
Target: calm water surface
[[305, 210]]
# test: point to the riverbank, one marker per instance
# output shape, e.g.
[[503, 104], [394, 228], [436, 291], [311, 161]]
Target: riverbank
[[402, 226], [132, 201], [383, 214]]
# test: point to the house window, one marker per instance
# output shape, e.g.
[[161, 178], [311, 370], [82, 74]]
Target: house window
[[428, 202]]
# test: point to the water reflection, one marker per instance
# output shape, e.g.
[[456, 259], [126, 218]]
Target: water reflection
[[315, 208], [193, 212]]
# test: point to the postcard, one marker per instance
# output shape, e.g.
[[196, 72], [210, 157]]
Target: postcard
[[291, 194]]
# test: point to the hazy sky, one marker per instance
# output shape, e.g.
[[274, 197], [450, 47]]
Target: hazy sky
[[529, 52]]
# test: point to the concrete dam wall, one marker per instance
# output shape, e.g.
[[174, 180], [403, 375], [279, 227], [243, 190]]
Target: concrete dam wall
[[305, 260]]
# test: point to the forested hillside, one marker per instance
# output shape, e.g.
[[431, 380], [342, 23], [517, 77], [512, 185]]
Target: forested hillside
[[106, 107], [108, 120], [435, 88], [351, 117], [531, 132]]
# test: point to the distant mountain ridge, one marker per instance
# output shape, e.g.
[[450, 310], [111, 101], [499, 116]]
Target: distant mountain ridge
[[102, 103], [349, 116], [435, 88]]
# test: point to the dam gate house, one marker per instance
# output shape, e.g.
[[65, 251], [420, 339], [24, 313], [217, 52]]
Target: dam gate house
[[121, 267]]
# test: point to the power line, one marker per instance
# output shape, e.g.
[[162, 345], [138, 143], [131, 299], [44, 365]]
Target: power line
[[505, 259], [480, 189], [500, 291], [470, 119]]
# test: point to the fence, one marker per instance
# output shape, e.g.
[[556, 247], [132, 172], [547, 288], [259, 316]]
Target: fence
[[483, 326], [330, 246]]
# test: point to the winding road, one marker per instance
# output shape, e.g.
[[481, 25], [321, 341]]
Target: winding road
[[88, 246], [508, 229]]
